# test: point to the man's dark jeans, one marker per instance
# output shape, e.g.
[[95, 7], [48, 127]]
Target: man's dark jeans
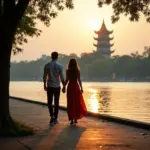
[[53, 93]]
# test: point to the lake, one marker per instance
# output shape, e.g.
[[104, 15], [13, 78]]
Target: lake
[[123, 99]]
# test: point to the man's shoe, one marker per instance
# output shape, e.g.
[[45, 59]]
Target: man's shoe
[[56, 121], [51, 121]]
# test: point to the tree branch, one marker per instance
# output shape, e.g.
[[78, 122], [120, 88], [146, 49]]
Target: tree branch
[[20, 9]]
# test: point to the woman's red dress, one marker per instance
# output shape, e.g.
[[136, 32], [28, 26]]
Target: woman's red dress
[[75, 102]]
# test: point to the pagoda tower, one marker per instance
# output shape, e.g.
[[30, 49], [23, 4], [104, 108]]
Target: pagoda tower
[[103, 41]]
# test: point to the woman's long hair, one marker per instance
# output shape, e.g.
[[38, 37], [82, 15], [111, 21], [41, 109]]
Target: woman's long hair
[[73, 69]]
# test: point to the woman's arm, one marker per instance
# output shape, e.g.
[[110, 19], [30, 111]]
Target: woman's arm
[[80, 82], [67, 78], [65, 83]]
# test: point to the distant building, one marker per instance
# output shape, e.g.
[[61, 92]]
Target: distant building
[[43, 57], [103, 41]]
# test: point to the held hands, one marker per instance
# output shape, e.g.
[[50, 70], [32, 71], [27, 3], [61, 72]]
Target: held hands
[[81, 91], [45, 88], [64, 89]]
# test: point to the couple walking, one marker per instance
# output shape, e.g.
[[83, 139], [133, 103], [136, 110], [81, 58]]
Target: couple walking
[[53, 74]]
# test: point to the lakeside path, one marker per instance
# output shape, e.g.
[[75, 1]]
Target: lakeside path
[[89, 134]]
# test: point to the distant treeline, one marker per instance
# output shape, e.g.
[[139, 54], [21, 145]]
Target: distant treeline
[[94, 67]]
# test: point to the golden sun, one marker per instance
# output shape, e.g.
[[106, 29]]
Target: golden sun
[[94, 25]]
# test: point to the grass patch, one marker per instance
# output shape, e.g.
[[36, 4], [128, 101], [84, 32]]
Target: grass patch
[[16, 129]]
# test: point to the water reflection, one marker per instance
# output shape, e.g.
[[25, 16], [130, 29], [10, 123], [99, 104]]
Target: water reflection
[[94, 102], [126, 100], [104, 99], [99, 99]]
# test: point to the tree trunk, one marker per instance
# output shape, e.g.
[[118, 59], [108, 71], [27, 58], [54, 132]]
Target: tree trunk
[[9, 20], [6, 39]]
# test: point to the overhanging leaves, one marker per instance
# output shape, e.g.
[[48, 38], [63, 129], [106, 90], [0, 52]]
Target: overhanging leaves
[[131, 8], [42, 10]]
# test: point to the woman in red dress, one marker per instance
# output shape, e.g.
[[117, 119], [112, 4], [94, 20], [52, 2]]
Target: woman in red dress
[[75, 103]]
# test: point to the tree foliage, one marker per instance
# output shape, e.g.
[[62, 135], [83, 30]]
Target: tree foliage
[[131, 8], [46, 10], [37, 10]]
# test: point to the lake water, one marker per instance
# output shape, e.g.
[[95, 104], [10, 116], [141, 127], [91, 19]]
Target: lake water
[[122, 99]]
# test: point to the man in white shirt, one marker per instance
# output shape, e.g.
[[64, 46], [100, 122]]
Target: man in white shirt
[[53, 73]]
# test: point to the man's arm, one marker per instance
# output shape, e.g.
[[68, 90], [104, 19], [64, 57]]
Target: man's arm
[[45, 77]]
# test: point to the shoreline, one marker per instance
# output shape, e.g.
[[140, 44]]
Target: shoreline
[[128, 122]]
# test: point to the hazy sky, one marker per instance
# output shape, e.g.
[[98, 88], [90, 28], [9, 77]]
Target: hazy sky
[[72, 32]]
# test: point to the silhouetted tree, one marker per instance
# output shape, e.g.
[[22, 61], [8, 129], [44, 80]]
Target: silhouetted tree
[[146, 52], [17, 20]]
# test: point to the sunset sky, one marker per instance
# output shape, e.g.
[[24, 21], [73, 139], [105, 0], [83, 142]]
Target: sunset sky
[[72, 32]]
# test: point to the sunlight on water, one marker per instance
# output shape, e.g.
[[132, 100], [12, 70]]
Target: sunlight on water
[[92, 90], [126, 100], [94, 103], [93, 100]]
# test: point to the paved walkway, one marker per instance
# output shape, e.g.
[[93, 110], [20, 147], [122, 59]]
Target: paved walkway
[[89, 134]]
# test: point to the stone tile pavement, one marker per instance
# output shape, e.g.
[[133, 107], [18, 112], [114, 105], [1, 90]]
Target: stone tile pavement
[[89, 134]]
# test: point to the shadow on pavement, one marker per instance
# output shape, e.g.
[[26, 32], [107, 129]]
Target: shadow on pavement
[[68, 138]]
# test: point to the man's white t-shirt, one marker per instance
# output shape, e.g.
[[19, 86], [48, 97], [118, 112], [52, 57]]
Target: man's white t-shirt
[[55, 73]]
